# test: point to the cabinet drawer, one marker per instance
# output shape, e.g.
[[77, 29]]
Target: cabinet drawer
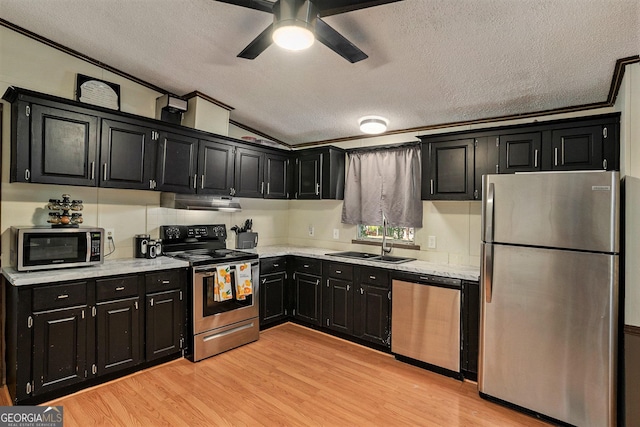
[[273, 265], [339, 271], [120, 287], [58, 296], [309, 266], [374, 277], [164, 280]]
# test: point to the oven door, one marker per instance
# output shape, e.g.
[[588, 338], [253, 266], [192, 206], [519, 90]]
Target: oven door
[[209, 314]]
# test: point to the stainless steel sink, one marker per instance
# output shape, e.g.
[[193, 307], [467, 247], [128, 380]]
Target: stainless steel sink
[[354, 254], [391, 259], [371, 257]]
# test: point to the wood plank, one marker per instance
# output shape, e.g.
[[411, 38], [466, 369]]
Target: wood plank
[[292, 376]]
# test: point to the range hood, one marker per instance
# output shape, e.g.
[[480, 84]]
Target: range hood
[[199, 202]]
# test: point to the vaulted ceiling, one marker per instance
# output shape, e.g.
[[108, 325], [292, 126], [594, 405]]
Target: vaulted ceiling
[[431, 62]]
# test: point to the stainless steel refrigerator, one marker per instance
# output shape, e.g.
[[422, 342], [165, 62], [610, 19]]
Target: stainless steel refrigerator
[[549, 292]]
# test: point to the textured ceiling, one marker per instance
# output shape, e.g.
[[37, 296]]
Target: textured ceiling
[[430, 61]]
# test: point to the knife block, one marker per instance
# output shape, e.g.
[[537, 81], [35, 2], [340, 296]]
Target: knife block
[[246, 240]]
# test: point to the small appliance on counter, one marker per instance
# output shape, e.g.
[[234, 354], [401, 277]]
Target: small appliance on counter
[[245, 238], [147, 248]]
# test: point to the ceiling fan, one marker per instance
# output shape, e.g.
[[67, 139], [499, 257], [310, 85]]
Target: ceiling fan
[[304, 16]]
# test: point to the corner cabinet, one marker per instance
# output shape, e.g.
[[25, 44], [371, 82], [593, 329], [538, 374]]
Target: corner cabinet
[[319, 173], [453, 164], [66, 336]]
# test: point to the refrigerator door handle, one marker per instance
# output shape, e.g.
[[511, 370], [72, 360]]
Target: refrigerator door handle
[[487, 272], [488, 226]]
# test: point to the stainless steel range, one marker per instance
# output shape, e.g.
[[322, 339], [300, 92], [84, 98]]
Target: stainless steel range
[[224, 288]]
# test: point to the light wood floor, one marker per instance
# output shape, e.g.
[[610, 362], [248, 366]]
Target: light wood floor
[[292, 376]]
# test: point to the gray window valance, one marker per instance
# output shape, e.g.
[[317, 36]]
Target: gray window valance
[[384, 181]]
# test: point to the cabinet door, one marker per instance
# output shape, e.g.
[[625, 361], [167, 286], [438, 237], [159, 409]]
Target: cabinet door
[[164, 331], [276, 176], [577, 148], [372, 314], [308, 170], [308, 303], [177, 163], [272, 298], [215, 168], [451, 171], [59, 348], [470, 328], [249, 173], [63, 146], [520, 152], [117, 335], [338, 305], [127, 155]]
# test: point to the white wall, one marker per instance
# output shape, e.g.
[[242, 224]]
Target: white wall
[[628, 103]]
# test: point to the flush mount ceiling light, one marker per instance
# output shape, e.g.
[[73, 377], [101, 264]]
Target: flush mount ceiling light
[[294, 24], [373, 124]]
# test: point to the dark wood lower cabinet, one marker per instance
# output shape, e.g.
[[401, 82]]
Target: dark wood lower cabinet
[[338, 305], [272, 298], [164, 325], [372, 312], [59, 349], [308, 300], [65, 336], [470, 328], [117, 335]]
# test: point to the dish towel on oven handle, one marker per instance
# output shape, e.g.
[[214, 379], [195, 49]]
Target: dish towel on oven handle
[[223, 279], [244, 287]]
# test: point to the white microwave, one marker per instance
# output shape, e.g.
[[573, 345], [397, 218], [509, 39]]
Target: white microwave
[[43, 248]]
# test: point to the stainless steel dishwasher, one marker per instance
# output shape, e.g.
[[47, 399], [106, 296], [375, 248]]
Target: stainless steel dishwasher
[[425, 320]]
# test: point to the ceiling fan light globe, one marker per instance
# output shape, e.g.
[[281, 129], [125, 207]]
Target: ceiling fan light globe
[[293, 37], [373, 125]]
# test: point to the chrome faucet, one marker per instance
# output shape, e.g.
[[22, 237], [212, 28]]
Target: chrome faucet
[[385, 249]]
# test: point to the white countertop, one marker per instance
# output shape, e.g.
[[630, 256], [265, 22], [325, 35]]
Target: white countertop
[[135, 265], [109, 268], [465, 272]]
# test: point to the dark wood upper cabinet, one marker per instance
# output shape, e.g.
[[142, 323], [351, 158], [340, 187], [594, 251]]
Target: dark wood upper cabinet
[[276, 176], [215, 167], [127, 155], [451, 170], [63, 147], [320, 173], [578, 148], [520, 152], [177, 163], [249, 173]]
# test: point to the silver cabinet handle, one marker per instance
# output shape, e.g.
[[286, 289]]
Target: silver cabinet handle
[[202, 181], [63, 296], [268, 188], [166, 282], [306, 265], [604, 164], [93, 170], [317, 189], [348, 288], [372, 277], [276, 265], [556, 155], [104, 172], [535, 158], [431, 186], [120, 288], [195, 180], [262, 187], [338, 271], [27, 174]]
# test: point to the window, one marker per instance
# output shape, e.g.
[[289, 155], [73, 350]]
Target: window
[[394, 234]]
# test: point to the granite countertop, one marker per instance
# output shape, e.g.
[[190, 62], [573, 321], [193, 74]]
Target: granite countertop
[[109, 268], [465, 272]]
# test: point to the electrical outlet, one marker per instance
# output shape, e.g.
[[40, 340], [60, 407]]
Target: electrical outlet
[[431, 244], [111, 234], [336, 233], [311, 231]]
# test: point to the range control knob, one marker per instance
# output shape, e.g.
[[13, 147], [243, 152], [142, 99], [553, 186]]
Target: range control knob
[[172, 233]]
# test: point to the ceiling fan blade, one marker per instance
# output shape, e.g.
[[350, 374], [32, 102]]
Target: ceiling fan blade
[[334, 7], [257, 45], [263, 5], [337, 43]]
